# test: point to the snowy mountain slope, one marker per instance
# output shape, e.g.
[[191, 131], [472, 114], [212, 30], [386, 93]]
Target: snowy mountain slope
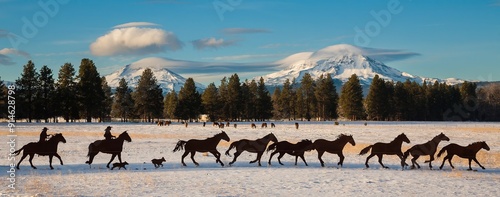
[[340, 61], [167, 79]]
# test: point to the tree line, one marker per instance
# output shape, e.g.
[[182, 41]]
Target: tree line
[[86, 95]]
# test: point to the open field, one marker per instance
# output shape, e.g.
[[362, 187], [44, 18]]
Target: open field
[[75, 178]]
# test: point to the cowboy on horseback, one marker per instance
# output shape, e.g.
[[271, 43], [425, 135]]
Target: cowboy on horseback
[[107, 133], [43, 135]]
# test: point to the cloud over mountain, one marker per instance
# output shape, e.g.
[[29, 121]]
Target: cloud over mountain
[[211, 43]]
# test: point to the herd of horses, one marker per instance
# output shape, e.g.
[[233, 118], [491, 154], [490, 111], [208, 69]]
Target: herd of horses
[[261, 145]]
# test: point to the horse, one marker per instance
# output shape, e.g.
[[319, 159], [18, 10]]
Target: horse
[[296, 150], [272, 125], [428, 148], [221, 125], [47, 148], [254, 146], [263, 125], [207, 145], [296, 125], [215, 124], [253, 126], [227, 124], [334, 147], [112, 146], [468, 152], [380, 149]]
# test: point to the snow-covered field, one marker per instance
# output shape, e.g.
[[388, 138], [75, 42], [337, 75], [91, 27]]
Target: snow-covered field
[[75, 178]]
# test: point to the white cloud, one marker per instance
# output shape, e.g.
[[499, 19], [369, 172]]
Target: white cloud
[[212, 43], [136, 24], [135, 41], [5, 59]]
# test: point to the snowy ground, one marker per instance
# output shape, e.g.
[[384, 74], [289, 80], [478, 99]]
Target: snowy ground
[[75, 178]]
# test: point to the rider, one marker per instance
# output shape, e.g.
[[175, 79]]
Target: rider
[[43, 135], [107, 133]]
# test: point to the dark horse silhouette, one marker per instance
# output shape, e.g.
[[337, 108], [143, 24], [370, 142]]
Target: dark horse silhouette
[[380, 149], [428, 148], [207, 145], [296, 150], [112, 146], [334, 147], [468, 152], [254, 146], [48, 148]]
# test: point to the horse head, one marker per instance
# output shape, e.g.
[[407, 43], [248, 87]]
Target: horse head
[[350, 139], [485, 146], [403, 137], [223, 136], [58, 137], [443, 137], [272, 137], [125, 136]]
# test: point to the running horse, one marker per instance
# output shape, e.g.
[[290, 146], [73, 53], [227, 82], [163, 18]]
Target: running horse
[[380, 149], [112, 146], [207, 145], [467, 152], [334, 147], [48, 148], [428, 148], [296, 150], [254, 146]]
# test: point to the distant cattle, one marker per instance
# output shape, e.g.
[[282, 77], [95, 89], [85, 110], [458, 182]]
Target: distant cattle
[[221, 125], [253, 126], [215, 124], [263, 125], [272, 125]]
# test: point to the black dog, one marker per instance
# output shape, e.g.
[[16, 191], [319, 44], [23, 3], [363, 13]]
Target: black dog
[[157, 162], [119, 165]]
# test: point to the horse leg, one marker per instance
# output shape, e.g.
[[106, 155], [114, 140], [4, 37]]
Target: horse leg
[[341, 161], [414, 162], [430, 161], [184, 155], [112, 158], [270, 157], [442, 164], [50, 162], [192, 158], [296, 158], [59, 157], [478, 163], [320, 154], [470, 161], [368, 158], [303, 159], [31, 158], [24, 156], [217, 156], [236, 155], [380, 156], [280, 156], [259, 156], [449, 161]]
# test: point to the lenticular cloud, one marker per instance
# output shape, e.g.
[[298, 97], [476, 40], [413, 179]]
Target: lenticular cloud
[[135, 41]]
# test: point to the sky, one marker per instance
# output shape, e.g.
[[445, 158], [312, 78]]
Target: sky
[[459, 39]]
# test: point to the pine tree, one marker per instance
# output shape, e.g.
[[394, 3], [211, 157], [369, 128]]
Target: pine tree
[[327, 98], [469, 99], [377, 100], [264, 103], [148, 97], [277, 105], [210, 102], [234, 100], [3, 99], [300, 110], [285, 100], [89, 89], [107, 102], [248, 91], [26, 92], [45, 95], [67, 105], [189, 105], [401, 102], [351, 99], [223, 98], [123, 104], [170, 104], [307, 85]]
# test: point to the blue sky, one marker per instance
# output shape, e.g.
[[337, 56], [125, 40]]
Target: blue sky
[[458, 39]]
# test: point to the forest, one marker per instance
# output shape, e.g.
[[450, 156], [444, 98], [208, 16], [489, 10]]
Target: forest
[[85, 95]]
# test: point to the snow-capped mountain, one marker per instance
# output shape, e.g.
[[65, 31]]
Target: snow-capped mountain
[[167, 79], [340, 61]]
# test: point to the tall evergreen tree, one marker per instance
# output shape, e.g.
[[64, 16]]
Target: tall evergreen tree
[[248, 94], [45, 95], [300, 110], [470, 99], [90, 90], [327, 98], [377, 100], [223, 98], [26, 92], [401, 102], [277, 105], [210, 101], [67, 104], [123, 104], [148, 97], [307, 86], [234, 100], [189, 105], [170, 104], [351, 99], [286, 100], [107, 102], [264, 103], [3, 99]]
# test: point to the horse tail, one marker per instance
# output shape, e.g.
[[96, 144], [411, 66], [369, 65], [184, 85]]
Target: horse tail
[[442, 151], [365, 150], [231, 147], [272, 147], [19, 151], [180, 145]]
